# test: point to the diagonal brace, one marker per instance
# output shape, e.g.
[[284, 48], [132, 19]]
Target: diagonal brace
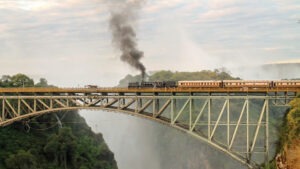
[[145, 106], [43, 103], [26, 104], [199, 115], [238, 123], [11, 107], [128, 104], [218, 120], [94, 102], [77, 103], [163, 108], [60, 103], [111, 103], [181, 110], [258, 126]]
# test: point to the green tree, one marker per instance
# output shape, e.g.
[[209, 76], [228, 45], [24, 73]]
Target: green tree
[[42, 83], [21, 80], [62, 147], [5, 81], [21, 160]]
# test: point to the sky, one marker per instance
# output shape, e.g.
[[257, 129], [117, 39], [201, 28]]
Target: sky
[[69, 43]]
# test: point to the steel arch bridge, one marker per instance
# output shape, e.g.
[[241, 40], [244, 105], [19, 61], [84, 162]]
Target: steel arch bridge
[[233, 121]]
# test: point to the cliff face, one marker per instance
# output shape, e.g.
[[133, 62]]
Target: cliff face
[[41, 143], [291, 136], [289, 147], [293, 154]]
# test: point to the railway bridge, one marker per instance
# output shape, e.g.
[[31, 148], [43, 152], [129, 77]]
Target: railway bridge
[[234, 121]]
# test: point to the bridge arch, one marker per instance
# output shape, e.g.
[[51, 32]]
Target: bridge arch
[[132, 113], [188, 113]]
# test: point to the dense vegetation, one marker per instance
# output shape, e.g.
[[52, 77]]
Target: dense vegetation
[[289, 146], [291, 127], [45, 142], [217, 74]]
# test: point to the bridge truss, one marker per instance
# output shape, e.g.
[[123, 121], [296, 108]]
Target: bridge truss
[[235, 123]]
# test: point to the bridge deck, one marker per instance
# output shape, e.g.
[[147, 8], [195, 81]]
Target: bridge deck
[[146, 90]]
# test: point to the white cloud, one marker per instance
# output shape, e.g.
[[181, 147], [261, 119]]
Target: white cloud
[[73, 35], [215, 14], [158, 6], [286, 61], [217, 4]]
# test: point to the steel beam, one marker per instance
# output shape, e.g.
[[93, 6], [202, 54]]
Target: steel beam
[[181, 110], [199, 115], [237, 125], [163, 108], [147, 104], [11, 108], [26, 104], [127, 105], [258, 126], [44, 104], [218, 120], [3, 109]]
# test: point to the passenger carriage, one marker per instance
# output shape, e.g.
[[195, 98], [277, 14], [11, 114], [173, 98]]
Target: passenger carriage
[[200, 83]]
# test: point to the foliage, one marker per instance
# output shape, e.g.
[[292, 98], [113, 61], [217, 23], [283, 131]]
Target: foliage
[[291, 127], [40, 143], [289, 132], [21, 160], [18, 80], [73, 146], [62, 147], [42, 83]]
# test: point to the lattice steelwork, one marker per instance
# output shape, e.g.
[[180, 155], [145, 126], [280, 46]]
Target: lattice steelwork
[[234, 124]]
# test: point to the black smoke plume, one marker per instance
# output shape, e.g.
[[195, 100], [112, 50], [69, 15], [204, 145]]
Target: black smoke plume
[[122, 21]]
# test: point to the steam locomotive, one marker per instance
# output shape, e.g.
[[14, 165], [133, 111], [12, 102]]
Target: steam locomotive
[[218, 84], [159, 84]]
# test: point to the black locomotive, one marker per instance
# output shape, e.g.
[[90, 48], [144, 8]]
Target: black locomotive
[[160, 84]]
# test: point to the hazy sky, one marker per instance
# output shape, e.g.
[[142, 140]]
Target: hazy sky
[[68, 41]]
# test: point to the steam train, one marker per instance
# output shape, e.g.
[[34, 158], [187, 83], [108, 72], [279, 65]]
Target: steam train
[[218, 84]]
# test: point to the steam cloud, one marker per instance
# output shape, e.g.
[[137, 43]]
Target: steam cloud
[[122, 20]]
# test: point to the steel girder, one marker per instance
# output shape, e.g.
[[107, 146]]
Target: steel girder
[[236, 125]]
